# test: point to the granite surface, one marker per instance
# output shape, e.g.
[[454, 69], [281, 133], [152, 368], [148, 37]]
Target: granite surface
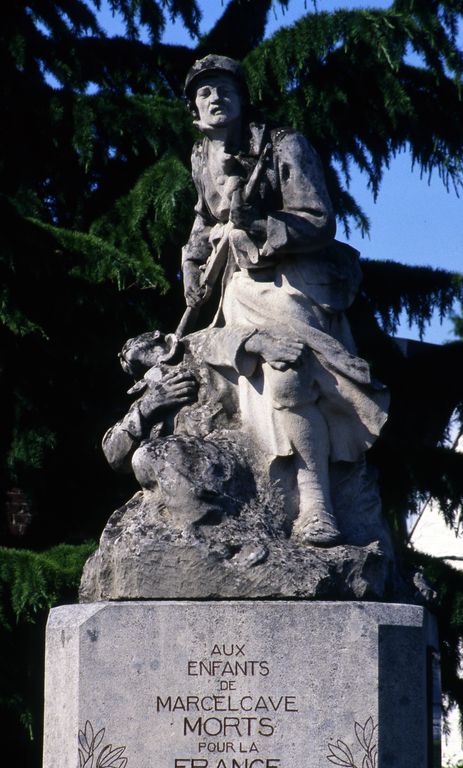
[[261, 684]]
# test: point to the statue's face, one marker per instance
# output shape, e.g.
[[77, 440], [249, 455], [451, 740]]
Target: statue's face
[[142, 352], [218, 101]]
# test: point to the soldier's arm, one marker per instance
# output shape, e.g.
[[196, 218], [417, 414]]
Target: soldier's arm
[[121, 440], [306, 221], [198, 248]]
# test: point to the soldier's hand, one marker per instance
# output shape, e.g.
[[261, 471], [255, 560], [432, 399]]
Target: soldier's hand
[[245, 216], [175, 388], [278, 353]]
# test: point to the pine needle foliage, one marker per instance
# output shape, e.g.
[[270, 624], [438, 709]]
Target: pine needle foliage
[[367, 84], [152, 216], [418, 292], [30, 584], [458, 323], [96, 201]]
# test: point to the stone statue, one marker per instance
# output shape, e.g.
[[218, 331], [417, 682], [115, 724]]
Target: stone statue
[[248, 437], [304, 396], [180, 436]]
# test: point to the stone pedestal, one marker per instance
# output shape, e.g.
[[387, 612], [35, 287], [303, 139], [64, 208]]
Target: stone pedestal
[[239, 684]]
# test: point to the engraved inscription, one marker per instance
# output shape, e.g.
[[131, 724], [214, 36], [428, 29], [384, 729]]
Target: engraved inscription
[[232, 722]]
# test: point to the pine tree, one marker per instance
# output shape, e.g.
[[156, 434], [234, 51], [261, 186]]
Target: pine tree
[[96, 200]]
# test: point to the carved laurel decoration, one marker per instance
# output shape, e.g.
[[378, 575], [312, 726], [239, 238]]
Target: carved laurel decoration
[[90, 756], [341, 754]]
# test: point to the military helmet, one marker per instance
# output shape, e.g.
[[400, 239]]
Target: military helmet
[[214, 63]]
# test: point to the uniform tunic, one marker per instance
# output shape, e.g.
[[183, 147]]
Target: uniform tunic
[[300, 291]]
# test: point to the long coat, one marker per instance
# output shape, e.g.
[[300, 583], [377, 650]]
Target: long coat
[[299, 290]]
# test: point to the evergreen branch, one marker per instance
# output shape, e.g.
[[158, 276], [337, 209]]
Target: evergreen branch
[[438, 472], [33, 581], [15, 320], [152, 14], [29, 447], [309, 74], [189, 12], [394, 288], [81, 17], [100, 260], [52, 16], [119, 63], [237, 32], [153, 213]]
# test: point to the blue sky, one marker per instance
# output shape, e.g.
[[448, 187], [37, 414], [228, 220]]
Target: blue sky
[[413, 221]]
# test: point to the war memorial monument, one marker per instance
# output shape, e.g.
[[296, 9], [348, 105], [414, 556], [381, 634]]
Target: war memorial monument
[[244, 609]]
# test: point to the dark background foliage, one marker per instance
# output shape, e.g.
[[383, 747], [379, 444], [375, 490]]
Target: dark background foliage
[[96, 201]]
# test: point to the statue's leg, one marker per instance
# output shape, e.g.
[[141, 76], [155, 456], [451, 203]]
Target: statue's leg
[[283, 475], [308, 432]]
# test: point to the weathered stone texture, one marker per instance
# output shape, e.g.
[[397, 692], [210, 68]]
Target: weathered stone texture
[[284, 682], [144, 552]]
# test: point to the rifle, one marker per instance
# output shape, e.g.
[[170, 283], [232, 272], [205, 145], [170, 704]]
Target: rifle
[[218, 257]]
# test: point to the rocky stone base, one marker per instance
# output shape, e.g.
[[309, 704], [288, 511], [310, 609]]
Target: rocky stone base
[[143, 556]]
